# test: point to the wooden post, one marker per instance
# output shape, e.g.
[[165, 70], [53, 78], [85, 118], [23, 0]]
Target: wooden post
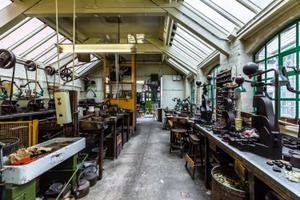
[[104, 77], [133, 81]]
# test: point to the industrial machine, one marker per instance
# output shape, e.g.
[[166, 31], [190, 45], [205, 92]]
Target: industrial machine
[[264, 120], [205, 108], [63, 107]]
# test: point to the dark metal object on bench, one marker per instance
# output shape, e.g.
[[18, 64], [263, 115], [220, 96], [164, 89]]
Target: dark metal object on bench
[[264, 120], [205, 108]]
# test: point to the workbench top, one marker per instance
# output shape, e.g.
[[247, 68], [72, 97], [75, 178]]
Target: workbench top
[[257, 165], [26, 115]]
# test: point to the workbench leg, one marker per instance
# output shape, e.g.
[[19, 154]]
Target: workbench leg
[[100, 157], [207, 175], [115, 141], [257, 190], [251, 181]]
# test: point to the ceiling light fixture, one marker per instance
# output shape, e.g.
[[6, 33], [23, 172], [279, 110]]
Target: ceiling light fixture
[[97, 48]]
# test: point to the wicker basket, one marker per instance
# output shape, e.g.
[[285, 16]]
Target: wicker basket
[[224, 192]]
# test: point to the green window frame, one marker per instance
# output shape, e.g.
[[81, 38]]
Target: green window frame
[[283, 49], [212, 88]]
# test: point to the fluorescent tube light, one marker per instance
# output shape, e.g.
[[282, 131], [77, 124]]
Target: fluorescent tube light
[[98, 48]]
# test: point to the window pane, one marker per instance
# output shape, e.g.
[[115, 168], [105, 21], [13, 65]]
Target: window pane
[[61, 55], [271, 90], [261, 3], [43, 47], [211, 14], [25, 29], [261, 65], [272, 47], [290, 61], [192, 38], [236, 9], [272, 63], [4, 3], [285, 93], [33, 40], [49, 54], [260, 55], [288, 109], [288, 38]]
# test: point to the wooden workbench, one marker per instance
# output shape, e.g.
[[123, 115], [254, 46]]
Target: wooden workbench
[[256, 166]]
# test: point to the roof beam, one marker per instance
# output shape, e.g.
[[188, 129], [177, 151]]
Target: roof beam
[[174, 55], [27, 37], [267, 15], [97, 7], [199, 31], [251, 6], [40, 43], [224, 13], [204, 21], [178, 68]]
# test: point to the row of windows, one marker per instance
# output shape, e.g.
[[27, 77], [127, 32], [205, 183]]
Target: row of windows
[[283, 50], [213, 86]]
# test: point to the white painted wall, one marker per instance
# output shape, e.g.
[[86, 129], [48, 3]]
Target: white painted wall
[[143, 73], [170, 90]]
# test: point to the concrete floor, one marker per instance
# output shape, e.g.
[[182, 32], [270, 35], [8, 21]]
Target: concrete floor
[[146, 171]]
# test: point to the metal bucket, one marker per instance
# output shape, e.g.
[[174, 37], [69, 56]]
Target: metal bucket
[[221, 191]]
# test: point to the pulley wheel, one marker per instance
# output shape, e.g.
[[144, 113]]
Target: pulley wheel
[[66, 74], [7, 59], [50, 70], [30, 65]]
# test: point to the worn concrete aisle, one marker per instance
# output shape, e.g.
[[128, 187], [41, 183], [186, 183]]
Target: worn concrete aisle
[[146, 171]]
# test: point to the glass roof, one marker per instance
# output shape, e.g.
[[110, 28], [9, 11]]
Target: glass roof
[[177, 65], [37, 41], [4, 3], [34, 40], [189, 46], [82, 67], [224, 15]]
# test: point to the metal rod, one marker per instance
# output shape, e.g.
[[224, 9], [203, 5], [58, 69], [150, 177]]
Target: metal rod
[[71, 178], [57, 38], [12, 87], [2, 183]]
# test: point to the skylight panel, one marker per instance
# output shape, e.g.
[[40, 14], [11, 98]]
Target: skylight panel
[[4, 3], [33, 40], [261, 3], [211, 14], [25, 29], [46, 45], [236, 9]]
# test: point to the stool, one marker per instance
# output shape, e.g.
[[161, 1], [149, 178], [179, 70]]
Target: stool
[[177, 140], [191, 157]]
